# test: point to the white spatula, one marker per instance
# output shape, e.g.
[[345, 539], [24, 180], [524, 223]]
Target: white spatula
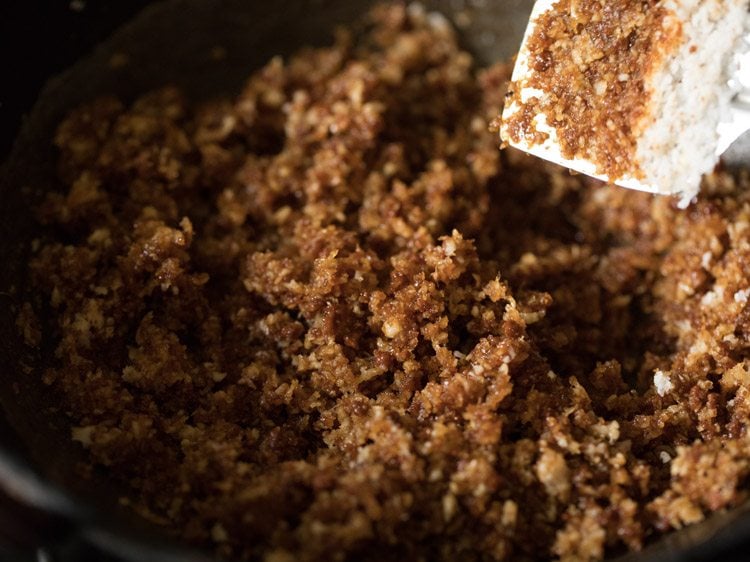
[[696, 89]]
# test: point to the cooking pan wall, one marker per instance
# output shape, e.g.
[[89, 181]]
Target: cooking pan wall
[[176, 42]]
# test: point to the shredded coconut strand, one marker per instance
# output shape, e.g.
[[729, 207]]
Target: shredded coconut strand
[[663, 383]]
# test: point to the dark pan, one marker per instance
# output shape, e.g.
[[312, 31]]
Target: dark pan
[[44, 506]]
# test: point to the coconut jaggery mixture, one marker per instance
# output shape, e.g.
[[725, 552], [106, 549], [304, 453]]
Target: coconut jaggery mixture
[[329, 320]]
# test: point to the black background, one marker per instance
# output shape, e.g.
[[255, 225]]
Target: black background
[[40, 38]]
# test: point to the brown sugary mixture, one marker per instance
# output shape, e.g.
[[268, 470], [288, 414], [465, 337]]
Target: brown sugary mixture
[[591, 58], [330, 320]]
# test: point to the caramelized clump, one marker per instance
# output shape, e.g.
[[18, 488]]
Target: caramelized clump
[[591, 59], [329, 320]]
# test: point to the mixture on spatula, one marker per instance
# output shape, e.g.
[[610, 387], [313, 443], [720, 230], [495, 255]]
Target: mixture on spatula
[[628, 91]]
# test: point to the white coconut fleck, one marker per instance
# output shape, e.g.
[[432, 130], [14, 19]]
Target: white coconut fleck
[[685, 289], [706, 260], [391, 328], [742, 296], [665, 457], [710, 299], [698, 347], [82, 434], [477, 370], [663, 383], [438, 21], [450, 247]]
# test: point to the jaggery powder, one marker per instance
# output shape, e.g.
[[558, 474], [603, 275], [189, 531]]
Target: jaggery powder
[[330, 320]]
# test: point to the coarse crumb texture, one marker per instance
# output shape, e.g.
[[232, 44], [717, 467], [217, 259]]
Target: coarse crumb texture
[[330, 320], [629, 90]]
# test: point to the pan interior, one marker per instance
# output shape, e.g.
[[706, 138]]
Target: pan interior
[[176, 42]]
